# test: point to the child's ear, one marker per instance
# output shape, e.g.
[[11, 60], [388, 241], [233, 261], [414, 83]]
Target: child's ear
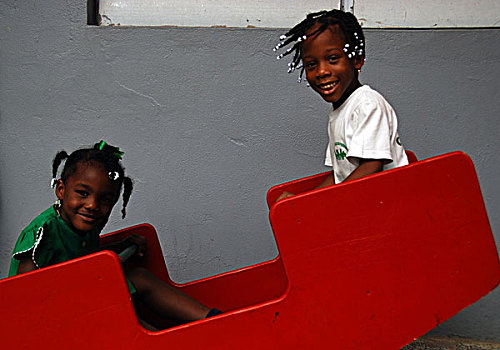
[[358, 62], [60, 188]]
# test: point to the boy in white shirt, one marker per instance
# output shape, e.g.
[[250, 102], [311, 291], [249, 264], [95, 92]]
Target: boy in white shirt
[[363, 136]]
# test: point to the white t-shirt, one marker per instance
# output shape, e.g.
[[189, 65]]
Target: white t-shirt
[[364, 126]]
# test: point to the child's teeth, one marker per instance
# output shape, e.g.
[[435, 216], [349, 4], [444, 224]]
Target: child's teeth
[[329, 86]]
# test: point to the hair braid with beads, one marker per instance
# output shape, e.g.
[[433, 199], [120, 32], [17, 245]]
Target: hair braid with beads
[[347, 22], [101, 153]]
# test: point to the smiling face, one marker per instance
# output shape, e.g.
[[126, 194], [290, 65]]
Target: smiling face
[[328, 69], [87, 197]]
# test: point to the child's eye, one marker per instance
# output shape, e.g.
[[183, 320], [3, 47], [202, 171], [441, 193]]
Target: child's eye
[[332, 59], [309, 65], [82, 193], [108, 199]]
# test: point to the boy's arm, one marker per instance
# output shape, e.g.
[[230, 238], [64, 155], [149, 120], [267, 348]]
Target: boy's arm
[[366, 167], [326, 182]]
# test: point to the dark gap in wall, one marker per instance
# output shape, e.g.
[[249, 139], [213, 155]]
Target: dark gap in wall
[[93, 12]]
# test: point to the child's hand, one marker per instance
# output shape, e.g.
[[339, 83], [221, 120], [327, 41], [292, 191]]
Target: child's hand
[[139, 241], [284, 195]]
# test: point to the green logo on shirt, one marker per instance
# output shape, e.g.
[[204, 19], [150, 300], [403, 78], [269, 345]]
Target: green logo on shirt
[[340, 151]]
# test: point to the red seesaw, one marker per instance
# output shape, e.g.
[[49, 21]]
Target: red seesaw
[[369, 264]]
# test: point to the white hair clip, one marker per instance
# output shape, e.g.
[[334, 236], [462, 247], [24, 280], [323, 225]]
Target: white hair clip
[[277, 47], [113, 175]]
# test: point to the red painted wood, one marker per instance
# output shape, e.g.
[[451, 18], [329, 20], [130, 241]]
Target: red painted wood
[[403, 249], [369, 264], [242, 287], [412, 158]]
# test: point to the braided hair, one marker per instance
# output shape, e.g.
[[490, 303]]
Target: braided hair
[[106, 155], [347, 22]]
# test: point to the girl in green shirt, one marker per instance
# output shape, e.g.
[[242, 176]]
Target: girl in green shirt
[[89, 187]]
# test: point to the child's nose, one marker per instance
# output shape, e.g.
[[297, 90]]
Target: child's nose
[[91, 203], [323, 69]]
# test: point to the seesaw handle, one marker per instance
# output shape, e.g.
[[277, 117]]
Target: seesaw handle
[[128, 252]]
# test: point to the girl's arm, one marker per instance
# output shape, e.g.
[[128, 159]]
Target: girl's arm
[[118, 247], [25, 263]]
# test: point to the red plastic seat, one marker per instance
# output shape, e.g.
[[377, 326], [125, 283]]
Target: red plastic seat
[[369, 264], [412, 158]]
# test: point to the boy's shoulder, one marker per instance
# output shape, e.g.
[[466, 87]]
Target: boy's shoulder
[[366, 94], [365, 99]]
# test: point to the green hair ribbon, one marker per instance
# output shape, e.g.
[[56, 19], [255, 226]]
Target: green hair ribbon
[[118, 154]]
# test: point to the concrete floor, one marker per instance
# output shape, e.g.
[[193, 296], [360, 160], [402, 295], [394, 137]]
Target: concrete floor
[[444, 343]]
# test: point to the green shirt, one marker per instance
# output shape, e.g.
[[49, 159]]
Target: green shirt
[[51, 241]]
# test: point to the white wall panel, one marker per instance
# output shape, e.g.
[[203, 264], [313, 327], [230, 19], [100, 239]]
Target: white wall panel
[[229, 13], [286, 13], [427, 14]]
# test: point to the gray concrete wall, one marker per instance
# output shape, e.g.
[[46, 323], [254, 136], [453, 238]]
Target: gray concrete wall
[[209, 120]]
